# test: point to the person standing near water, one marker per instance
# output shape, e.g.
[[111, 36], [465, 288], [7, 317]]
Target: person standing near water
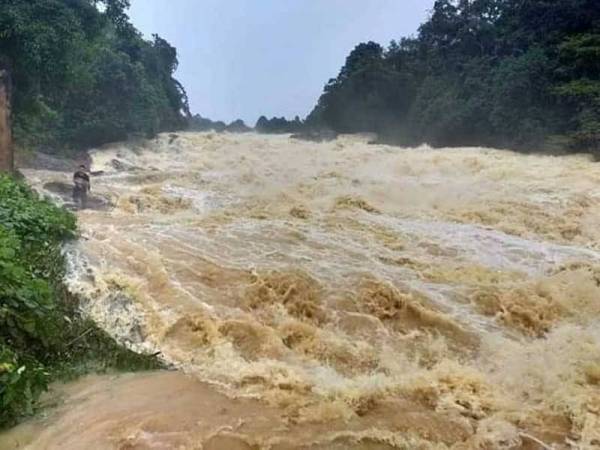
[[81, 187]]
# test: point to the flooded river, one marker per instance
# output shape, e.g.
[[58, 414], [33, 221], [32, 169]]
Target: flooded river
[[336, 295]]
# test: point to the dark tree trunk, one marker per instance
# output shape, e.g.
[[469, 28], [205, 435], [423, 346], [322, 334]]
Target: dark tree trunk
[[6, 144]]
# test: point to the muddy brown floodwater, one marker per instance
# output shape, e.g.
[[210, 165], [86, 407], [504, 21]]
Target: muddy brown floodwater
[[336, 295]]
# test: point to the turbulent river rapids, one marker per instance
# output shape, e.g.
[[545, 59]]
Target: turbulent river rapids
[[336, 295]]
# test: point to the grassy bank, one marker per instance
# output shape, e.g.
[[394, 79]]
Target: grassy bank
[[43, 338]]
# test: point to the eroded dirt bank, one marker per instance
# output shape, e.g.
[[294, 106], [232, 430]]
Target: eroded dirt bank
[[389, 298]]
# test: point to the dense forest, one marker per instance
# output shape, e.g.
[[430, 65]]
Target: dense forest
[[199, 123], [83, 75], [508, 73], [277, 125], [523, 74]]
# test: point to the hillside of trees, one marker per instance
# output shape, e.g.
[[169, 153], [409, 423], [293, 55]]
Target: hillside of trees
[[199, 123], [83, 75], [278, 125], [522, 74]]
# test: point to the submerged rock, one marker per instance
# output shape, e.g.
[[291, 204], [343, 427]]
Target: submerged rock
[[65, 192]]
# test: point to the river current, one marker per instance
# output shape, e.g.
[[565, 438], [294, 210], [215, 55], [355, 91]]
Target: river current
[[336, 295]]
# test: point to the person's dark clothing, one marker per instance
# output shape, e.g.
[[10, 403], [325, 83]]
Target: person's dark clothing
[[82, 176], [81, 188]]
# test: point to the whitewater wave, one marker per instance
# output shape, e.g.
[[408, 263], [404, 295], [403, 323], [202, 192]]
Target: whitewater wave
[[436, 298]]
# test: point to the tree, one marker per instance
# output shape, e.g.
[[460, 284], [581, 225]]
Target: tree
[[83, 75], [522, 74], [278, 125], [6, 145], [580, 89]]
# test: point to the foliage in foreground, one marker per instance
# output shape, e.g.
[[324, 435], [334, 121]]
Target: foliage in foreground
[[506, 73], [42, 337]]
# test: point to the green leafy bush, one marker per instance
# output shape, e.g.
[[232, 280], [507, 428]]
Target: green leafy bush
[[42, 336], [31, 233], [22, 380]]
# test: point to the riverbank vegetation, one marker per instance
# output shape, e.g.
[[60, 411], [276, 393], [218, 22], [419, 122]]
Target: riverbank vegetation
[[278, 125], [83, 75], [502, 73], [42, 335], [202, 124]]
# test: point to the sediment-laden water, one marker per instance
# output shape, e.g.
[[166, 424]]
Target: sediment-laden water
[[339, 295]]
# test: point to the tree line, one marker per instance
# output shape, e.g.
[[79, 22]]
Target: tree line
[[83, 75], [523, 74], [199, 123], [277, 125]]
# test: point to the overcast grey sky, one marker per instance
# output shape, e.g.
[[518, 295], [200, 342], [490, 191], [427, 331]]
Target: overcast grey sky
[[245, 58]]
